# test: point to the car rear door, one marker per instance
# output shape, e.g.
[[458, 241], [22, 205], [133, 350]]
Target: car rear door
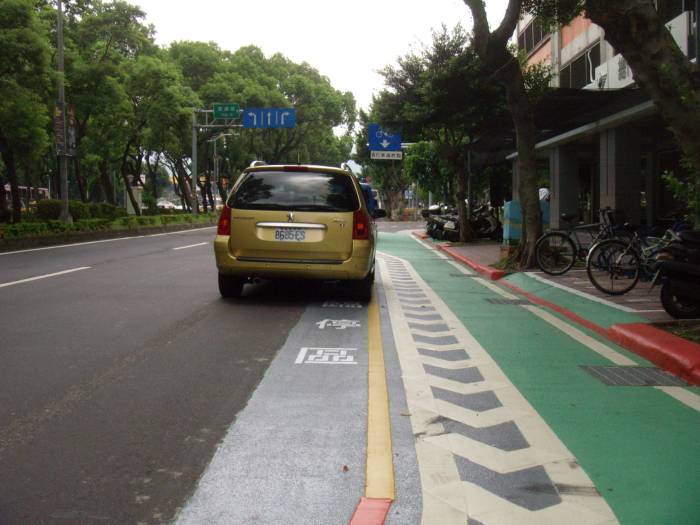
[[293, 216]]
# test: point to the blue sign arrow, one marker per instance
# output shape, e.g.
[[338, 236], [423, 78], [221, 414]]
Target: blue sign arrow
[[269, 118], [380, 140]]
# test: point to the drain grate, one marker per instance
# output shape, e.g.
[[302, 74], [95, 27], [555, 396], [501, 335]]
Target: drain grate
[[493, 300], [633, 376]]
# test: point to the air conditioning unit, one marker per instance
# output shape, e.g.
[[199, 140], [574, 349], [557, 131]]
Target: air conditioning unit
[[616, 73]]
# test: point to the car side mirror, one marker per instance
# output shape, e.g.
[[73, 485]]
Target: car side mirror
[[378, 213]]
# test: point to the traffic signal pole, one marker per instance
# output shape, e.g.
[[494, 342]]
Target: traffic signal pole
[[65, 215]]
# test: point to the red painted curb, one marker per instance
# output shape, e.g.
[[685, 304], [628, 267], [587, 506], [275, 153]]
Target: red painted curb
[[420, 234], [492, 273], [670, 352], [559, 309], [370, 511], [674, 354]]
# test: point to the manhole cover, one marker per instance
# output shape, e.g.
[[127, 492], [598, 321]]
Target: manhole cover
[[633, 376], [507, 301]]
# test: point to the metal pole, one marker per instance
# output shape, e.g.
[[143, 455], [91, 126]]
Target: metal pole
[[216, 162], [696, 16], [65, 215], [194, 161]]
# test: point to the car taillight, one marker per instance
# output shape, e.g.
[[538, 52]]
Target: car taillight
[[224, 227], [295, 168], [360, 225]]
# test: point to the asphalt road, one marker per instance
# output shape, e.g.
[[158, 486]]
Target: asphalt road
[[119, 377]]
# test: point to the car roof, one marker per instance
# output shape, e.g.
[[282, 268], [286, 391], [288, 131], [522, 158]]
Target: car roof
[[309, 167]]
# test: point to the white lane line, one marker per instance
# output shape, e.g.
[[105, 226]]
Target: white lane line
[[3, 285], [580, 293], [576, 334], [105, 240], [427, 246], [682, 395], [495, 288], [461, 268], [190, 246]]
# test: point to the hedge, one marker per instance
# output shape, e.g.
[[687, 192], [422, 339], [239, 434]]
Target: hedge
[[53, 227], [50, 210]]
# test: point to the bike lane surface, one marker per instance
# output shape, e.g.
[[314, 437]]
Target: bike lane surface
[[637, 444]]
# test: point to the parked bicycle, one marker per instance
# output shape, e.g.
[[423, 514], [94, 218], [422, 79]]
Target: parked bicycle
[[615, 266], [557, 251]]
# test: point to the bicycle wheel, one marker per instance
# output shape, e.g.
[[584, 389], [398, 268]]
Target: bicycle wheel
[[555, 253], [613, 267]]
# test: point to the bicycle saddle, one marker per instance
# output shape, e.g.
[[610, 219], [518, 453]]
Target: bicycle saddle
[[567, 217]]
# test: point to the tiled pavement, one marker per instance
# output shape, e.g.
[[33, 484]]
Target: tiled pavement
[[642, 300]]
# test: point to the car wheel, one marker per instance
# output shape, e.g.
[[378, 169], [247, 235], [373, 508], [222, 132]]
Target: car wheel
[[362, 290], [230, 286]]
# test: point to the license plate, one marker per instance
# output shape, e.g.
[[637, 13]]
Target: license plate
[[290, 234]]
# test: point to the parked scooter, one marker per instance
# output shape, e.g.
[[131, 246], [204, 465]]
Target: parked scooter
[[443, 223], [484, 222], [437, 216], [679, 273]]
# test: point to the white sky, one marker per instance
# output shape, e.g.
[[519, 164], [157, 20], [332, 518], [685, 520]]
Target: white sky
[[345, 41]]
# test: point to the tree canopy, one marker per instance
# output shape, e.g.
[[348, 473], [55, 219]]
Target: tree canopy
[[132, 101]]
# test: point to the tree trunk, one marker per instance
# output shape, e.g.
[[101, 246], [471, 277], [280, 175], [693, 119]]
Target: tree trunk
[[221, 190], [465, 231], [634, 28], [182, 183], [525, 132], [8, 158], [4, 211], [492, 48], [106, 183], [77, 169]]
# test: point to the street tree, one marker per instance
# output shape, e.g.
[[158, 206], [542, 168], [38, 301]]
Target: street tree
[[441, 95], [425, 167], [635, 29], [100, 39], [503, 66], [25, 83]]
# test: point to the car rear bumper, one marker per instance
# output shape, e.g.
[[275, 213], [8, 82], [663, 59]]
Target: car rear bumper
[[355, 268]]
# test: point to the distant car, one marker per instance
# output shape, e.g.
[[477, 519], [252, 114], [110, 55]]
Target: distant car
[[165, 204], [296, 222]]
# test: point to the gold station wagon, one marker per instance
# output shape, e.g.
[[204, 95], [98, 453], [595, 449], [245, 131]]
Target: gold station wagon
[[296, 222]]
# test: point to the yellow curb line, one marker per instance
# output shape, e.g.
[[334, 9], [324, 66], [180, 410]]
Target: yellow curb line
[[379, 482]]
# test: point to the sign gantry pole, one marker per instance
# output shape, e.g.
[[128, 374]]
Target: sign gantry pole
[[194, 161], [62, 142]]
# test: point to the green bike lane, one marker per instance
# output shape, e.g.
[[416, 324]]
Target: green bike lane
[[638, 445]]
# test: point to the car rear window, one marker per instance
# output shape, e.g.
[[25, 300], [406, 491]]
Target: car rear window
[[295, 191]]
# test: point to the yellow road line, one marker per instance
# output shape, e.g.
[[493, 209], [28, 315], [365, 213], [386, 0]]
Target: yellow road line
[[379, 482]]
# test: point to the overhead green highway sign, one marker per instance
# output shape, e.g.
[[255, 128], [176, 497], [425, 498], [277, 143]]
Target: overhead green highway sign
[[228, 110]]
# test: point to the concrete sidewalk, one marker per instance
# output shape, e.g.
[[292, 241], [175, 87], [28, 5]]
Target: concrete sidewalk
[[624, 319]]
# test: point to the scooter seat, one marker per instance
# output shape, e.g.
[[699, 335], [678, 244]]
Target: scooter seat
[[690, 236], [678, 269]]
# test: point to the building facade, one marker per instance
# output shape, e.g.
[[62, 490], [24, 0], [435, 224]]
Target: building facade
[[618, 159]]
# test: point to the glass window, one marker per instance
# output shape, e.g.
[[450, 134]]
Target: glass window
[[295, 191], [565, 77], [670, 9], [581, 71]]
